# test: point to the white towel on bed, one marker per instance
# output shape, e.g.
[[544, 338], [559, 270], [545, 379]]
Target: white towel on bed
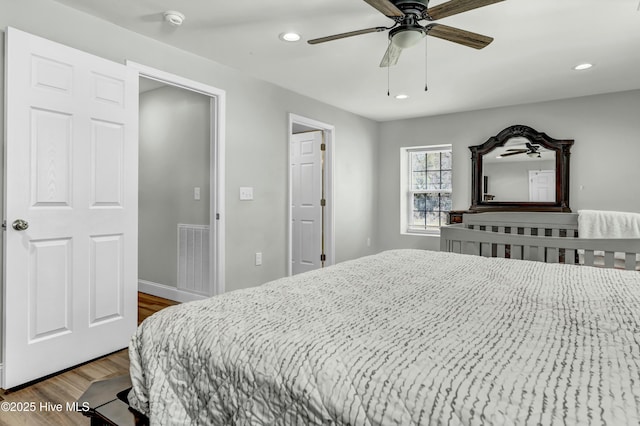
[[608, 224]]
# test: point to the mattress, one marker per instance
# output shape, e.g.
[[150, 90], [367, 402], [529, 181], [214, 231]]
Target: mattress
[[404, 337]]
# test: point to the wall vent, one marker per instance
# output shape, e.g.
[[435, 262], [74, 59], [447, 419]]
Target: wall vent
[[193, 258]]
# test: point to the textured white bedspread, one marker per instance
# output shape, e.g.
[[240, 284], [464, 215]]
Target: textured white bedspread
[[406, 337]]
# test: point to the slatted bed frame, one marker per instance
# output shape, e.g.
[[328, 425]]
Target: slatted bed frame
[[539, 236]]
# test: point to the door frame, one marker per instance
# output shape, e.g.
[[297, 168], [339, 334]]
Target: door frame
[[329, 219], [216, 171]]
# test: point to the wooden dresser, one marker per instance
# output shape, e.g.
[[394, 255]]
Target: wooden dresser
[[455, 216]]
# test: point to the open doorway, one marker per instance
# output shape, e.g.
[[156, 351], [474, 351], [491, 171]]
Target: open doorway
[[181, 221], [311, 212]]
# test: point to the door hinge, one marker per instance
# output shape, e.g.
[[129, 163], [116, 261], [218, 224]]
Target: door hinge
[[4, 225], [323, 147], [323, 202], [217, 216], [323, 257]]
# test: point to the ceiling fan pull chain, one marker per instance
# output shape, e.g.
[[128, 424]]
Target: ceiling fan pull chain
[[388, 72], [426, 63]]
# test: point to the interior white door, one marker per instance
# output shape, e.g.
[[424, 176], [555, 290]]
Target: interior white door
[[71, 163], [542, 185], [306, 176]]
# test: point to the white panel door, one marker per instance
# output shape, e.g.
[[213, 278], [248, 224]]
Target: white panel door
[[71, 164], [542, 185], [306, 175]]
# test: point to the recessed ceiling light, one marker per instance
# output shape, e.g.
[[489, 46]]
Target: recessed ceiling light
[[581, 67], [402, 96], [290, 37], [174, 18]]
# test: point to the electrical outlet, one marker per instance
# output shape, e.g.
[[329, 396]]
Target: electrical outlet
[[246, 193], [258, 259]]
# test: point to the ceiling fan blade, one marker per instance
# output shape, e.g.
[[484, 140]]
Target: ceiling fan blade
[[344, 35], [453, 7], [532, 147], [456, 35], [512, 153], [516, 149], [391, 56], [386, 7]]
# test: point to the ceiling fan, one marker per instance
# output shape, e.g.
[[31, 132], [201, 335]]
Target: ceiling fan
[[531, 151], [407, 30]]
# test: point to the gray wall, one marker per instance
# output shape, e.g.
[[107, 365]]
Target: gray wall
[[174, 158], [604, 158]]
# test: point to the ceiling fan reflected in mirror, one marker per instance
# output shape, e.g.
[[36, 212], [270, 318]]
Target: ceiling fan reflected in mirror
[[407, 30], [531, 150]]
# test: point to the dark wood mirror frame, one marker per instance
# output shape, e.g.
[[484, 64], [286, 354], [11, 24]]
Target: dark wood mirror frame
[[560, 147]]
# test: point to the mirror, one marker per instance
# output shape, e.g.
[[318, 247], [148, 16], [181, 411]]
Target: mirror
[[521, 169]]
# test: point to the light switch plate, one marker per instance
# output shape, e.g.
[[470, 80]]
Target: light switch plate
[[246, 193], [196, 193]]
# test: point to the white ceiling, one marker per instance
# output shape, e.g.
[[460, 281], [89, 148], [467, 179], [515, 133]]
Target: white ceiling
[[536, 45]]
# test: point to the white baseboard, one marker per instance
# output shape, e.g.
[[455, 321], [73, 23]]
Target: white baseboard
[[168, 292], [1, 375]]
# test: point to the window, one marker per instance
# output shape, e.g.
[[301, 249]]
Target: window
[[428, 188]]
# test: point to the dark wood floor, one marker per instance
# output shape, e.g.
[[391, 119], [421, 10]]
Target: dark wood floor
[[67, 387], [149, 305]]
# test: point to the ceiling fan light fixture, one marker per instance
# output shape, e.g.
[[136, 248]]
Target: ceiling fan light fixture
[[174, 18], [406, 38], [290, 37], [402, 96]]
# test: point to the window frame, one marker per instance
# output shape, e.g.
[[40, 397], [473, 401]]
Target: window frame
[[408, 193]]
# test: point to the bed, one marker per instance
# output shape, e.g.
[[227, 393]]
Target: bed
[[546, 237], [404, 337]]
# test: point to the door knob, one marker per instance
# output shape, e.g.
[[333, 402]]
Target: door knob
[[20, 225]]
